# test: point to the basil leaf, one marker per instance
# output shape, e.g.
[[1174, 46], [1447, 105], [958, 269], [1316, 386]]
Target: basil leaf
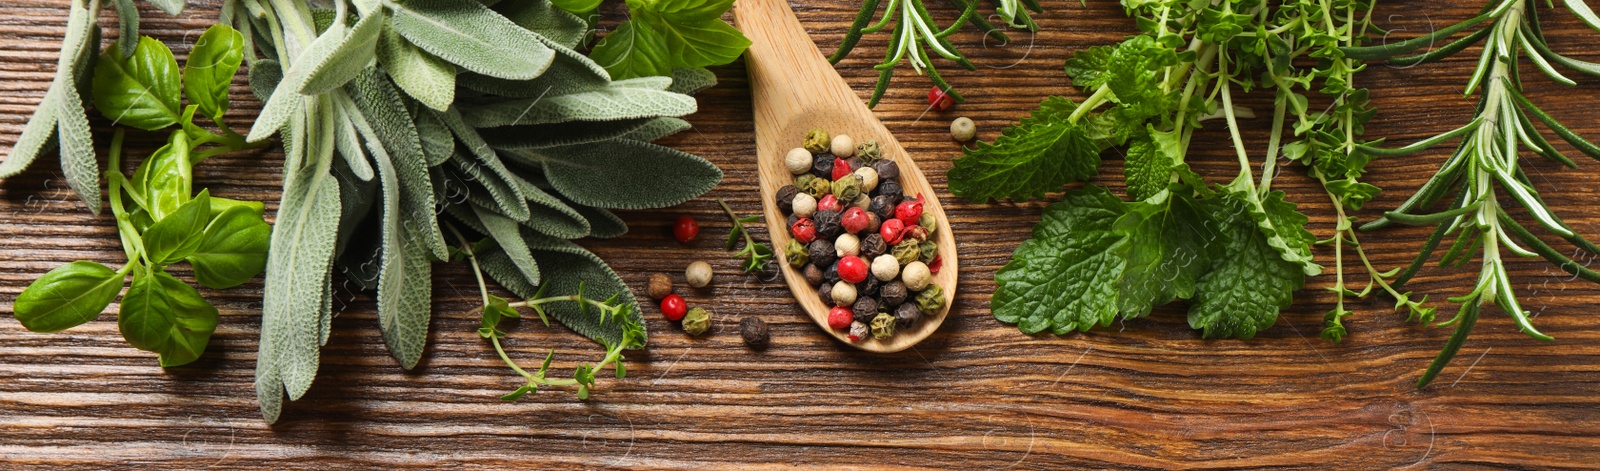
[[692, 42], [67, 296], [472, 36], [577, 6], [233, 249], [179, 234], [164, 315], [209, 71], [633, 51], [162, 182], [139, 91], [684, 11]]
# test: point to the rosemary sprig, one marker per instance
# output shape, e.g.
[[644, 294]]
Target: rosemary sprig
[[915, 32], [1486, 164], [756, 255]]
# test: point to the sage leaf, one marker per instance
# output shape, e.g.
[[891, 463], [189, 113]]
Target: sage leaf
[[386, 123], [633, 51], [209, 70], [508, 235], [566, 267], [67, 296], [566, 75], [351, 56], [265, 75], [37, 137], [172, 7], [438, 144], [472, 36], [692, 80], [602, 224], [78, 162], [423, 76], [561, 25], [577, 6], [233, 249], [140, 91], [616, 102], [628, 174], [164, 315], [128, 21], [561, 134], [179, 234], [404, 281], [347, 142], [286, 99], [658, 128]]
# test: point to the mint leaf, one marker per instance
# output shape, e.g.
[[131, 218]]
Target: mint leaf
[[1152, 156], [1064, 278], [1166, 250], [1134, 73], [1283, 226], [1248, 282], [1036, 156], [1088, 67], [67, 296]]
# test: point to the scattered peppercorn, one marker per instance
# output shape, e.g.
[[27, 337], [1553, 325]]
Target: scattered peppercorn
[[685, 229], [931, 300], [817, 140], [883, 326], [842, 145], [659, 287], [893, 293], [697, 321], [963, 129], [798, 160], [907, 315], [698, 274], [784, 198], [840, 318], [673, 307], [796, 254], [754, 331], [938, 99]]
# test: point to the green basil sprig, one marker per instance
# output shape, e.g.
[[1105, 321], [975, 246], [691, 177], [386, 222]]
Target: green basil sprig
[[159, 218]]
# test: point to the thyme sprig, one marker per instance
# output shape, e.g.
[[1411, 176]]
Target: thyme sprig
[[756, 255], [496, 309]]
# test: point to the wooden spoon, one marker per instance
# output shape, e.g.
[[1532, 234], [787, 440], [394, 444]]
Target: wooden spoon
[[794, 90]]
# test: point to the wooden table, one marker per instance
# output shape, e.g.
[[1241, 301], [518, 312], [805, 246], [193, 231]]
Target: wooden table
[[1147, 393]]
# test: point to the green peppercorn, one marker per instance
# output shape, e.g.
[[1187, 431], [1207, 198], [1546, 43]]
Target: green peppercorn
[[868, 151], [847, 188], [697, 321], [815, 187], [928, 222], [796, 253], [926, 251], [883, 326], [907, 251], [818, 141], [931, 300]]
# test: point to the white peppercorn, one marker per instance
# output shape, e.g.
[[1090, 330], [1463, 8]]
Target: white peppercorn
[[698, 275], [963, 129], [869, 179], [916, 276], [885, 267], [858, 331], [804, 205], [843, 146], [798, 161], [862, 201], [847, 245], [844, 294]]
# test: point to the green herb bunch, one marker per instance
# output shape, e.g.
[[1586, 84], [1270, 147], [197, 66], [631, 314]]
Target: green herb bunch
[[1484, 174], [915, 32], [399, 114], [662, 35], [160, 218], [1238, 251]]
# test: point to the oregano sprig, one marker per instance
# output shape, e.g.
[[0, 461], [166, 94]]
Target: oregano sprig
[[756, 255]]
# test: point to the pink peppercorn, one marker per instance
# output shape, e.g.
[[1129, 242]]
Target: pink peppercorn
[[855, 220], [909, 211], [828, 203], [841, 168], [840, 317], [853, 269], [892, 231], [804, 230]]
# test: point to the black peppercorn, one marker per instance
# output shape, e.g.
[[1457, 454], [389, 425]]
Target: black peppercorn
[[893, 293], [755, 333], [813, 274], [831, 275], [887, 170], [827, 224], [822, 253], [785, 198], [864, 309], [890, 188], [825, 291], [907, 315], [883, 206], [872, 246], [793, 218], [874, 223], [869, 286], [855, 163], [822, 167]]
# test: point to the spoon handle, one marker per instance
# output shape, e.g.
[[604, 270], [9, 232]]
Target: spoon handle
[[789, 76]]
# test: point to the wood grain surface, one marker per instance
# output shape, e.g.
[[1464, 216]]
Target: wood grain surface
[[794, 90], [1147, 393]]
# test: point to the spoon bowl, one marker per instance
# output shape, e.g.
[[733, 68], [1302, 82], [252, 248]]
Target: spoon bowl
[[794, 89]]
